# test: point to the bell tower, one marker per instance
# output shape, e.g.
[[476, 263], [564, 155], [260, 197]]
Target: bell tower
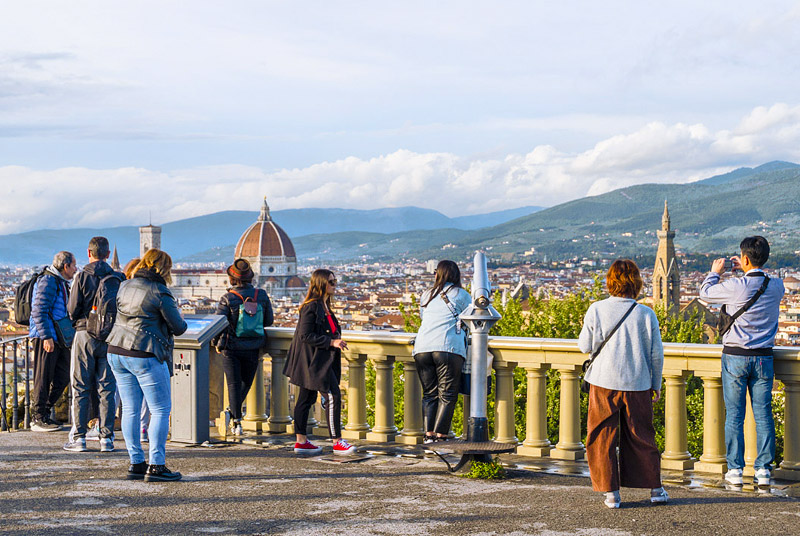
[[666, 278]]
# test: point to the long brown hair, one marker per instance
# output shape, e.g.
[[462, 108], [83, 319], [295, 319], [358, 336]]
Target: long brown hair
[[446, 272], [317, 288]]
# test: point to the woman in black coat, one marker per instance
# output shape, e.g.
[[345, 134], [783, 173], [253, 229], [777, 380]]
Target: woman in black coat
[[240, 353], [314, 363]]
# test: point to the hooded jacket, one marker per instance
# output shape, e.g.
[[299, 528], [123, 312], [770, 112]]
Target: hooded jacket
[[147, 316], [84, 288]]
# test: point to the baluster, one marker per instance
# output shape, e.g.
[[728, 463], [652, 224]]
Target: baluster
[[569, 446], [713, 458], [357, 426], [279, 418], [504, 403], [384, 429], [676, 454], [790, 467], [536, 442], [750, 442], [413, 432], [256, 417], [465, 424]]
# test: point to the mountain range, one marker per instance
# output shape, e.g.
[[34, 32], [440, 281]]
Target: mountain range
[[202, 238], [709, 216]]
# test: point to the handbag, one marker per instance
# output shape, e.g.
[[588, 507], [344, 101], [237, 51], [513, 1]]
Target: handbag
[[725, 321], [588, 363], [65, 332]]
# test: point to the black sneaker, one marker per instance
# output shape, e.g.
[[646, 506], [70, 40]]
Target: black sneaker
[[44, 426], [51, 420], [160, 473], [136, 471]]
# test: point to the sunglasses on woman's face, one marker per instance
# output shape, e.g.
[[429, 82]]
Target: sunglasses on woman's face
[[332, 282]]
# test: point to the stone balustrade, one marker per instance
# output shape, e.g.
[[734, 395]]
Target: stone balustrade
[[536, 356]]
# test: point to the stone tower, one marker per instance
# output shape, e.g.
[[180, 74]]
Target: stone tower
[[149, 237], [666, 278], [115, 260]]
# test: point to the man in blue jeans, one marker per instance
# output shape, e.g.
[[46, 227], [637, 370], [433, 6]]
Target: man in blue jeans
[[747, 353]]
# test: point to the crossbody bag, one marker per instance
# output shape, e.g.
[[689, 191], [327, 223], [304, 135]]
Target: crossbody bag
[[725, 321], [588, 362]]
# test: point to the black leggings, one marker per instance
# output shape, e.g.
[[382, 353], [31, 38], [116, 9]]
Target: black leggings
[[306, 398], [240, 369], [440, 375]]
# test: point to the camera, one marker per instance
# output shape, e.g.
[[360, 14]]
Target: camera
[[728, 265]]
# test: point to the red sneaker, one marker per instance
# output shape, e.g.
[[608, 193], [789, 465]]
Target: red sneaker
[[343, 447], [306, 448]]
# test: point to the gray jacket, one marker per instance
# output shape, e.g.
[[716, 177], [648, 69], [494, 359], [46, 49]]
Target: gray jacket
[[147, 316]]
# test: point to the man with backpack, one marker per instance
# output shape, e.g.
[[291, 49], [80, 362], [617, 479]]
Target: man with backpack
[[748, 324], [51, 339], [92, 307]]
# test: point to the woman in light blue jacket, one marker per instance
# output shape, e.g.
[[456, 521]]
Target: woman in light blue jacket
[[440, 349]]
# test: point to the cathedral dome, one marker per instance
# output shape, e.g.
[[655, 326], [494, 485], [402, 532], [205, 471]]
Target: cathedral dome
[[295, 282], [264, 238]]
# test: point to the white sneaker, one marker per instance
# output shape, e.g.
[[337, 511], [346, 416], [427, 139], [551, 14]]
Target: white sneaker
[[762, 477], [236, 429], [106, 444], [659, 495], [612, 499], [734, 476]]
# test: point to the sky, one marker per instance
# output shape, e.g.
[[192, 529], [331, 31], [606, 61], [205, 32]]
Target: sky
[[111, 111]]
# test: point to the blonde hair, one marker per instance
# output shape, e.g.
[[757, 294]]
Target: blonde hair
[[158, 261]]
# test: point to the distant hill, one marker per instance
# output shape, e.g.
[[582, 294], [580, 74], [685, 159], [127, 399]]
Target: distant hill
[[711, 215], [205, 238]]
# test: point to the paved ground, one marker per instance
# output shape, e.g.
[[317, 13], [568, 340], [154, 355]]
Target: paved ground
[[266, 489]]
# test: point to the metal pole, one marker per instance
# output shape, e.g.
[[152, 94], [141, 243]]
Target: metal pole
[[27, 382], [15, 397], [3, 419]]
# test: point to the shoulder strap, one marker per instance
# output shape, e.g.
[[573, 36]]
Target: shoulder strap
[[753, 299], [452, 308], [255, 296], [611, 334], [236, 294]]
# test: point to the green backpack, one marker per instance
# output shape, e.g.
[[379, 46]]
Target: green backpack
[[251, 317]]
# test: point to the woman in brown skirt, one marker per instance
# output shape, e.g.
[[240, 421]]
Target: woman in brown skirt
[[625, 380]]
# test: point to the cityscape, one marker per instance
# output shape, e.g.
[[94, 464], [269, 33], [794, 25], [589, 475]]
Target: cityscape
[[371, 294]]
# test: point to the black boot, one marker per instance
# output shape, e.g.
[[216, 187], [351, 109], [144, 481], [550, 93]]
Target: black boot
[[136, 471], [160, 473]]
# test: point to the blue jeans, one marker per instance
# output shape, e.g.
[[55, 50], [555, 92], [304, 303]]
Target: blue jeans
[[145, 378], [755, 374]]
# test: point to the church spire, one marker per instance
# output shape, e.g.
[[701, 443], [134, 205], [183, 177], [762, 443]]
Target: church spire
[[665, 221], [115, 260], [265, 215]]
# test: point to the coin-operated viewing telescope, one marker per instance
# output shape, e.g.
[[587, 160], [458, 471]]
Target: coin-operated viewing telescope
[[480, 316]]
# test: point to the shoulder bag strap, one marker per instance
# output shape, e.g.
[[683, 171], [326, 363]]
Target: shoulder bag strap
[[611, 334], [752, 300], [452, 308]]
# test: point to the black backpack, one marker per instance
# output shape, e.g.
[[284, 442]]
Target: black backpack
[[23, 299], [104, 307]]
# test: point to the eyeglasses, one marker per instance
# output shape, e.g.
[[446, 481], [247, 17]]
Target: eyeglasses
[[332, 282]]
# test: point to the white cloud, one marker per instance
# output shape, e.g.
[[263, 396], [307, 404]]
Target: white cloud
[[655, 152]]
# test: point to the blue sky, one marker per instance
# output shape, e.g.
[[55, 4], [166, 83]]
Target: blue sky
[[111, 110]]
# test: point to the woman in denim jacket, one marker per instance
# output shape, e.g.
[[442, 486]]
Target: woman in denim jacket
[[440, 349]]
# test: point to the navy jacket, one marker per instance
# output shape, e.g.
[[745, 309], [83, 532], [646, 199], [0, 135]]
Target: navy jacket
[[228, 305]]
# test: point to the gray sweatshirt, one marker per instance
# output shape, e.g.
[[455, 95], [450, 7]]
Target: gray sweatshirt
[[633, 358]]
